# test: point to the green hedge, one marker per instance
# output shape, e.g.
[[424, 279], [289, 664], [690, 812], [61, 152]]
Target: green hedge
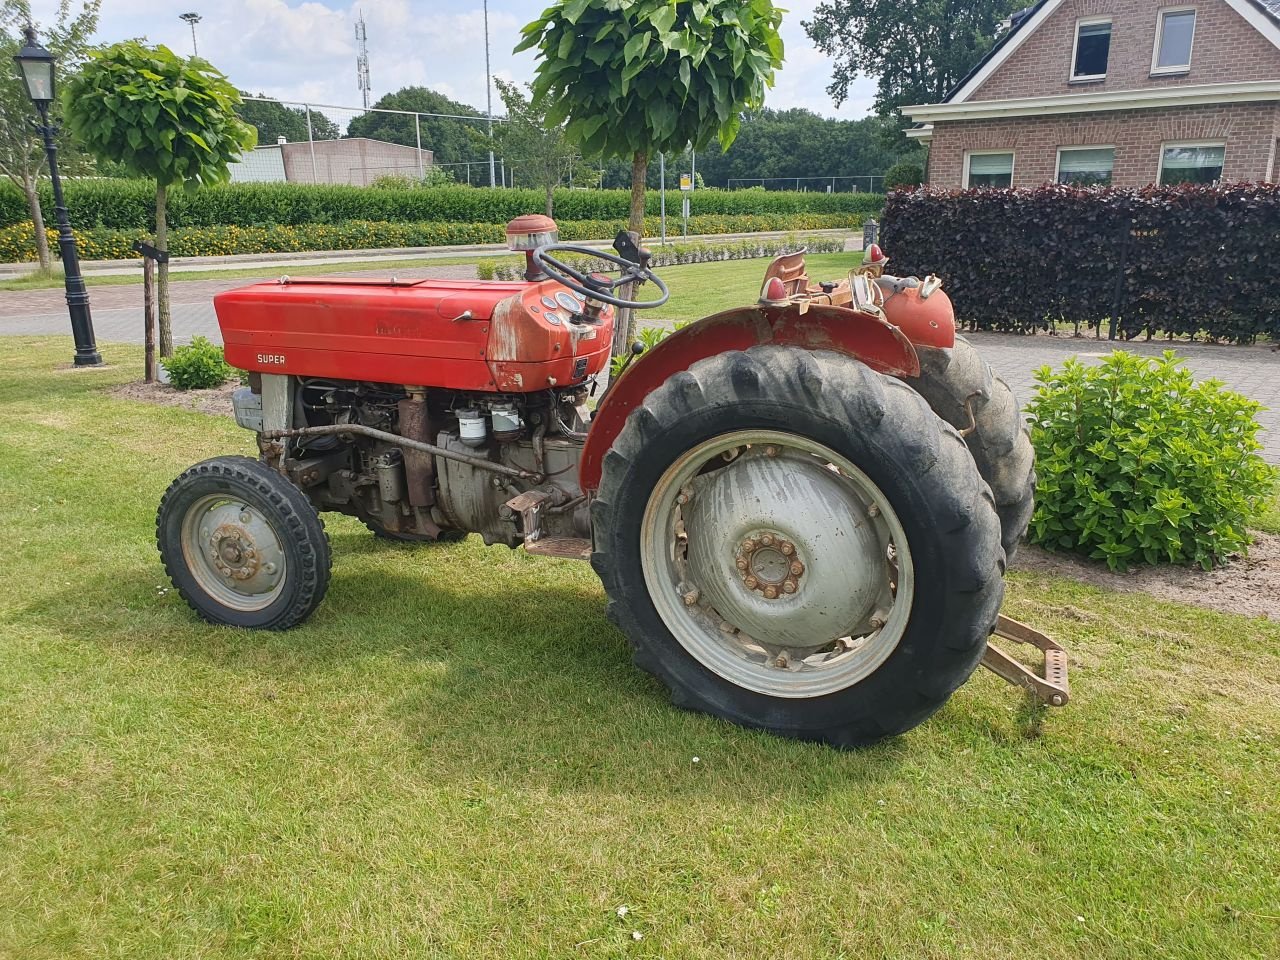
[[128, 204], [1181, 260], [105, 244]]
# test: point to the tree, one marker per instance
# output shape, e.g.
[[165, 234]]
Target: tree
[[451, 141], [544, 156], [22, 156], [915, 58], [272, 119], [903, 175], [170, 119], [635, 79]]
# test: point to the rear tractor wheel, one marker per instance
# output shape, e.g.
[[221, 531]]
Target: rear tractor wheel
[[795, 542], [243, 546]]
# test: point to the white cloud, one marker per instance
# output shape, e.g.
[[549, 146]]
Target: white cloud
[[305, 50]]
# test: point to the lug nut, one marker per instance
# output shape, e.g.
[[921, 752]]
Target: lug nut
[[742, 564], [781, 662], [691, 598], [789, 586], [752, 583], [767, 540], [787, 548], [771, 451], [873, 511], [877, 623], [749, 546], [771, 593], [797, 568], [682, 499]]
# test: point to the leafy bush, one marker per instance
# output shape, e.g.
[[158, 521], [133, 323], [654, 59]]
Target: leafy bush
[[197, 366], [905, 174], [126, 204], [1197, 258], [1139, 463], [16, 244]]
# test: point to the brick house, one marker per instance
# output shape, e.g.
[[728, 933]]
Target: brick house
[[1121, 92]]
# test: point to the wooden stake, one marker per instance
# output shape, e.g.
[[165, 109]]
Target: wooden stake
[[149, 318]]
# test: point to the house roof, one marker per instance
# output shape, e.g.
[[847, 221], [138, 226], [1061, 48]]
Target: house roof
[[1025, 21]]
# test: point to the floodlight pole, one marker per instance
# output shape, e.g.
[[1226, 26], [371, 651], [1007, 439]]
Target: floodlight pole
[[488, 93], [193, 19]]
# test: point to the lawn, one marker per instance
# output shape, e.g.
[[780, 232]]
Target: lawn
[[455, 758], [736, 282]]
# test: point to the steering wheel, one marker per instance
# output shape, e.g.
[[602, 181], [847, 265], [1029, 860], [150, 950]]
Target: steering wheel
[[596, 285]]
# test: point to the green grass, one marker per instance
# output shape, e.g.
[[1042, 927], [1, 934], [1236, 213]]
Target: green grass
[[701, 289], [456, 758], [39, 280]]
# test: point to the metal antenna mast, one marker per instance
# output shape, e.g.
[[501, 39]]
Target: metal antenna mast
[[362, 59]]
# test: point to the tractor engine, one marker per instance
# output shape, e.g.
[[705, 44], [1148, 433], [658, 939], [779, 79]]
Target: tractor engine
[[348, 455]]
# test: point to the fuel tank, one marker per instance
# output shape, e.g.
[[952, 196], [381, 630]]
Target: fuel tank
[[510, 337]]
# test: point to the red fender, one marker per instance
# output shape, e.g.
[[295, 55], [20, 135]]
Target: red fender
[[880, 345]]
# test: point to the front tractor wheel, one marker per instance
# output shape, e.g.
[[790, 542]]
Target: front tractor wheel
[[242, 545], [795, 542]]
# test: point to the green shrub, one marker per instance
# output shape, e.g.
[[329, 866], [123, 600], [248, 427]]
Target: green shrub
[[197, 366], [905, 174], [1139, 463]]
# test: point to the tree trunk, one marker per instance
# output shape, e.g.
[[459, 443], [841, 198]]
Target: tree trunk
[[162, 274], [551, 199], [624, 330], [37, 218]]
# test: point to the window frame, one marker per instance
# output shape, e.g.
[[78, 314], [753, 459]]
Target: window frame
[[1156, 69], [1057, 165], [1013, 161], [1166, 144], [1075, 49]]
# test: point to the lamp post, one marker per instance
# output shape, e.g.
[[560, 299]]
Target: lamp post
[[36, 66]]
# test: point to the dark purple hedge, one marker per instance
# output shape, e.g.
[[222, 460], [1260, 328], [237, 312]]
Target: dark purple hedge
[[1186, 260]]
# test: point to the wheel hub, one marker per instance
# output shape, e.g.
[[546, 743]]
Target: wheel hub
[[781, 551], [233, 552]]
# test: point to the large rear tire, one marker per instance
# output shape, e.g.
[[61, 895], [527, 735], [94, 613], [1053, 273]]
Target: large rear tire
[[243, 546], [794, 542], [959, 381]]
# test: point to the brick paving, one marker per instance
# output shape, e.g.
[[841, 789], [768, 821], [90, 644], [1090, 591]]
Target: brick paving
[[1252, 371]]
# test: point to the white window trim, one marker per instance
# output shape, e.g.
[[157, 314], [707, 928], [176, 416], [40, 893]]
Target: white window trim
[[1166, 144], [1158, 71], [1013, 160], [1057, 166], [1072, 77]]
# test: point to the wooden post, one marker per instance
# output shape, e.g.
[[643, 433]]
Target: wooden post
[[149, 319]]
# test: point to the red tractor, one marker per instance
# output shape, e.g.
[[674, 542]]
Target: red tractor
[[800, 509]]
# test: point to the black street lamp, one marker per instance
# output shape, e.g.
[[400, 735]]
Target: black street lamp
[[36, 66]]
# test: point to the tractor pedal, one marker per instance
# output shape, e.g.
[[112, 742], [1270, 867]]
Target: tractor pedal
[[1053, 688], [570, 548]]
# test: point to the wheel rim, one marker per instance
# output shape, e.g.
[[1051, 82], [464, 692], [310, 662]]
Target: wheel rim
[[777, 563], [233, 552]]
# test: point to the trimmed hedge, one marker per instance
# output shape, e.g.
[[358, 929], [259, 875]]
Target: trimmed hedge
[[16, 243], [1190, 259], [128, 204]]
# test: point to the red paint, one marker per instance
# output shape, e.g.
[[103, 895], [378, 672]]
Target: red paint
[[930, 322], [775, 289], [874, 253], [879, 345], [409, 333]]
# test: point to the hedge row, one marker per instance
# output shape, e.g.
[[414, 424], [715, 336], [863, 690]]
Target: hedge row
[[16, 242], [128, 204], [496, 268], [1184, 260]]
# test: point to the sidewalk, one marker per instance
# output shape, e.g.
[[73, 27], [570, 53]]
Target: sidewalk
[[853, 241]]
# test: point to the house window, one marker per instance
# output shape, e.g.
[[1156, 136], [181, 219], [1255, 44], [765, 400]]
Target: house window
[[1086, 166], [988, 168], [1093, 43], [1191, 163], [1175, 29]]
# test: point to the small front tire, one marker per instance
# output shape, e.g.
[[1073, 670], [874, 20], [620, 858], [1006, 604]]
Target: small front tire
[[242, 545]]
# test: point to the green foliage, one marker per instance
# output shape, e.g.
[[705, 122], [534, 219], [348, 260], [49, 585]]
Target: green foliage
[[451, 141], [915, 58], [169, 118], [1196, 257], [1138, 463], [272, 119], [905, 174], [105, 244], [648, 337], [435, 177], [197, 366], [654, 75], [128, 204]]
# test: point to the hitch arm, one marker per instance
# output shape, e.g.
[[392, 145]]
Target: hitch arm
[[1053, 688]]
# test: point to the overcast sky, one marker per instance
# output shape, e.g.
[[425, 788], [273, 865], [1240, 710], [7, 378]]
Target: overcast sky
[[305, 49]]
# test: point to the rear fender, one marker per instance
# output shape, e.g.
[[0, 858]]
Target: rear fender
[[878, 344]]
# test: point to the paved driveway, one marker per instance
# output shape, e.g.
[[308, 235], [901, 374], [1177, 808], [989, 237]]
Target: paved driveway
[[1253, 371]]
